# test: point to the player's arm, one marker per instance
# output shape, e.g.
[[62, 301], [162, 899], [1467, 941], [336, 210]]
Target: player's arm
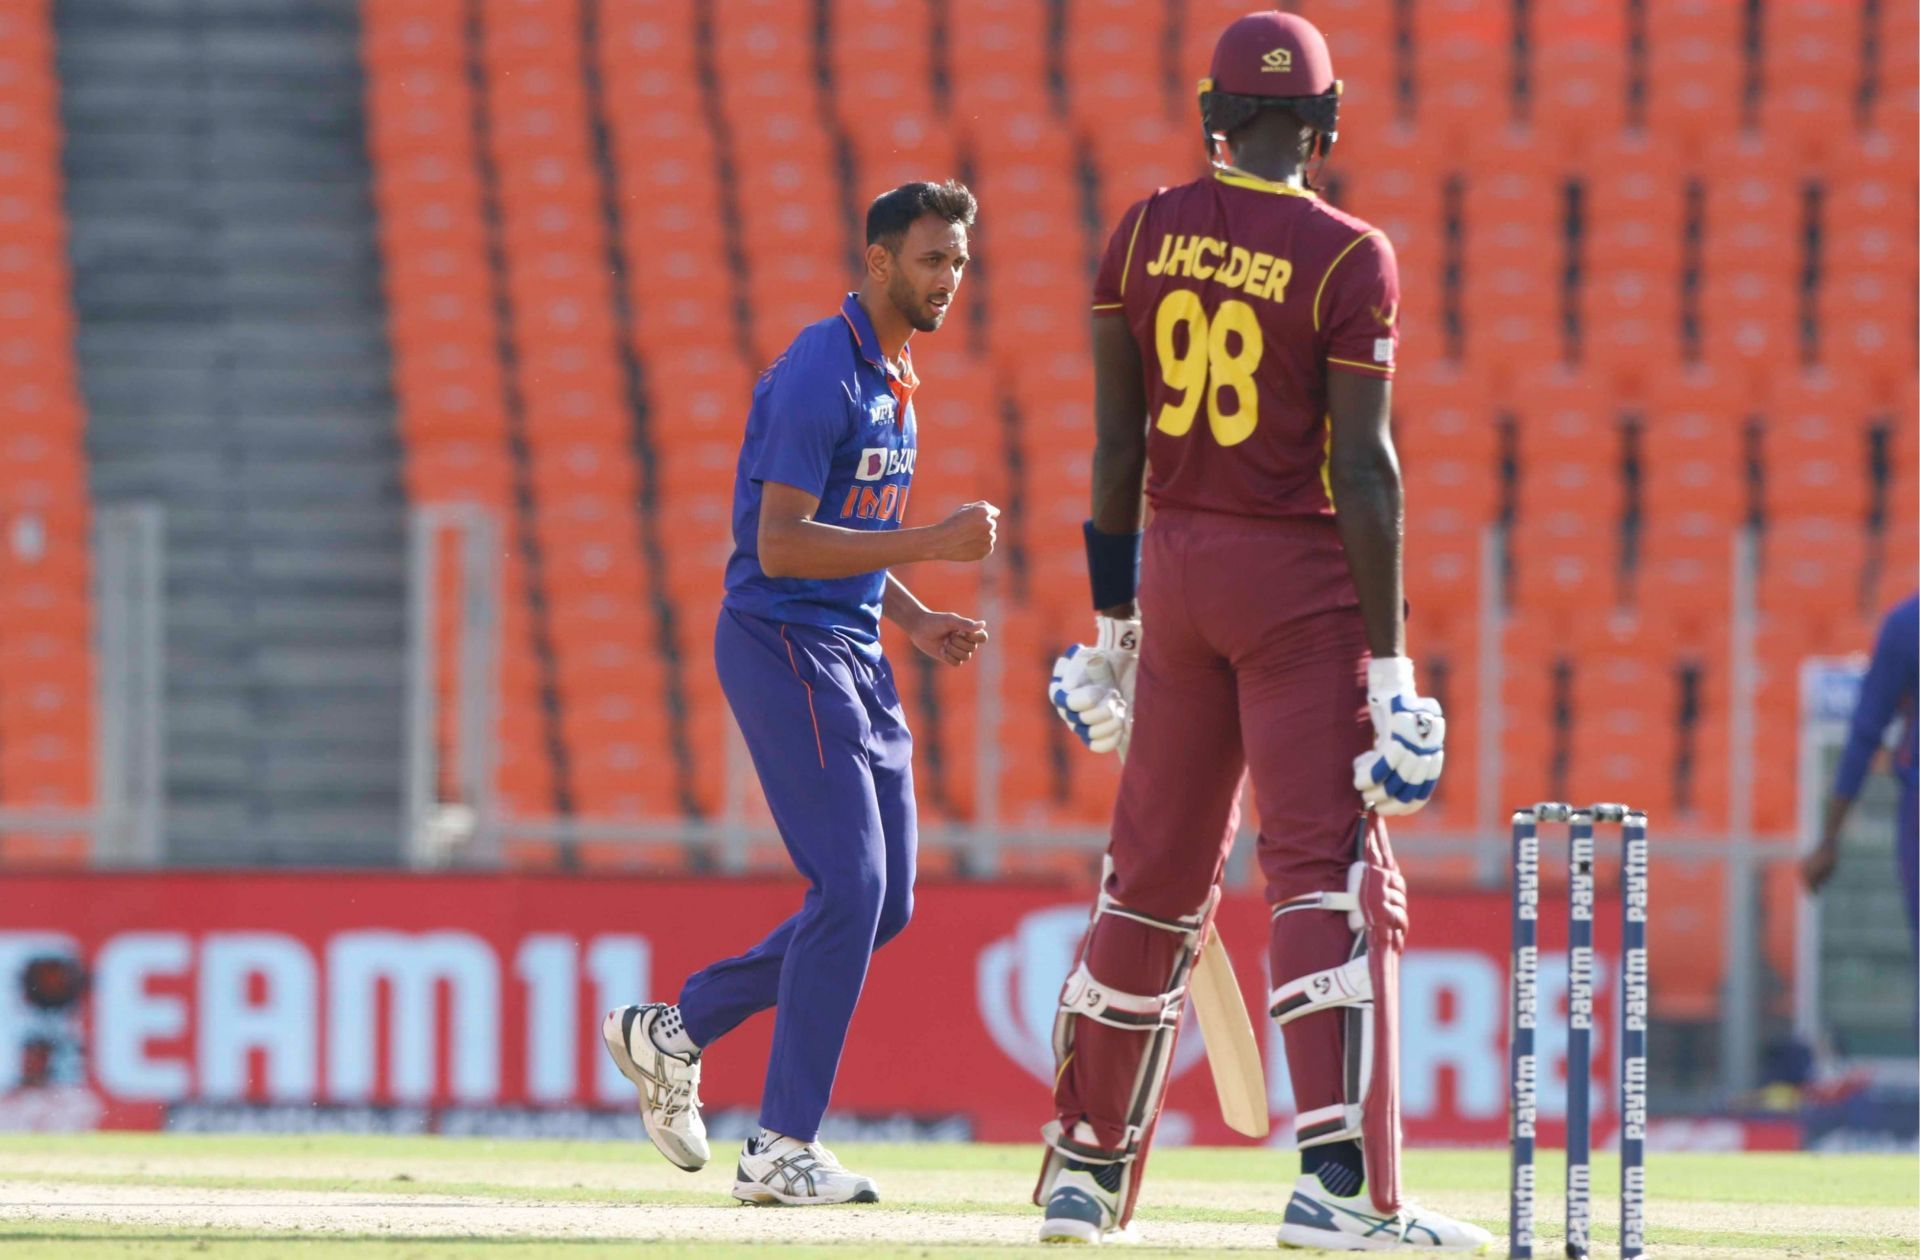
[[1889, 674], [1364, 472], [1092, 684], [794, 545], [946, 637], [1399, 773], [1120, 444], [1361, 303]]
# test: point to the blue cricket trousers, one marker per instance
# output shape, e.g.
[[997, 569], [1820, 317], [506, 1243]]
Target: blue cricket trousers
[[834, 755]]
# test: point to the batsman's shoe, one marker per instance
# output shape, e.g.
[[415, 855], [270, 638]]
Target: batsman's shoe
[[1080, 1211], [669, 1085], [798, 1174], [1329, 1222]]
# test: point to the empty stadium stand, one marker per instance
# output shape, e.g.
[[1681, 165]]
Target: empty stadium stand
[[1658, 290], [236, 372], [46, 663]]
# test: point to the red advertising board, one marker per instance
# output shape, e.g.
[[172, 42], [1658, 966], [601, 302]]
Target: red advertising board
[[441, 999]]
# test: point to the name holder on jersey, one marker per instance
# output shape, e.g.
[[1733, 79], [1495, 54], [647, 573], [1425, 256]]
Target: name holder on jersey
[[1257, 274]]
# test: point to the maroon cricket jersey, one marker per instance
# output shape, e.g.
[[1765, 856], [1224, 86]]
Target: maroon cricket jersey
[[1242, 295]]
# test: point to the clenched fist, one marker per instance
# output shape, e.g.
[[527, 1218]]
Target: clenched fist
[[968, 534]]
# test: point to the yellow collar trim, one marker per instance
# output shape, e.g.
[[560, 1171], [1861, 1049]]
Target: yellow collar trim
[[1240, 179]]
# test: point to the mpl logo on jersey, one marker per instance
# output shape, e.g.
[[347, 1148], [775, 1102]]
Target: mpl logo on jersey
[[877, 462]]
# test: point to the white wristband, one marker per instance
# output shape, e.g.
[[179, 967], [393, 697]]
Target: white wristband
[[1389, 675]]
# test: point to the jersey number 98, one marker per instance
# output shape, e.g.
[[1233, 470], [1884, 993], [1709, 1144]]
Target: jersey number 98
[[1209, 364]]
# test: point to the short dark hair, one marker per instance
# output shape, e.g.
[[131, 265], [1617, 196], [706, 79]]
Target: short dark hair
[[892, 213]]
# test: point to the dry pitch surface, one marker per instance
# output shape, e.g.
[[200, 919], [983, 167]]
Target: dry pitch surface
[[245, 1198]]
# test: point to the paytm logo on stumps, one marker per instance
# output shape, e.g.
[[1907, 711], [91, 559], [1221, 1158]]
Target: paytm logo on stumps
[[880, 461], [1019, 979]]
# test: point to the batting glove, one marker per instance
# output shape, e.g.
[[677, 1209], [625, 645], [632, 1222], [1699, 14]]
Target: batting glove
[[1398, 774], [1092, 685]]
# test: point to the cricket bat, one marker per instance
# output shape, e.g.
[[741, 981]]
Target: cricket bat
[[1232, 1052]]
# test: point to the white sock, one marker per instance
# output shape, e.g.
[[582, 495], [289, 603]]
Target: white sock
[[669, 1034], [767, 1138]]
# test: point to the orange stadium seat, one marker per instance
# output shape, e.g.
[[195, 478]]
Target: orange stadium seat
[[1449, 64], [1695, 70], [1869, 213], [1896, 101], [1866, 317], [1114, 57], [1810, 574], [880, 55], [1360, 35], [1692, 456], [997, 59], [1631, 290], [1578, 66], [1569, 449], [1137, 153], [1810, 60], [1692, 940], [1816, 452]]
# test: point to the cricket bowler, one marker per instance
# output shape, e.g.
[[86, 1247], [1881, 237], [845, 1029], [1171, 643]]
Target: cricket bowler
[[819, 511], [1889, 692], [1243, 342]]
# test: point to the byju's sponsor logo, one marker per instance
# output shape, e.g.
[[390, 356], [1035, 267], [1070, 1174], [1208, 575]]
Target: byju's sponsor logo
[[880, 461]]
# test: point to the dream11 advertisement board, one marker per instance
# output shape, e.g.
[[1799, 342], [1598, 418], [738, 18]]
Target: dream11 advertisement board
[[472, 1004]]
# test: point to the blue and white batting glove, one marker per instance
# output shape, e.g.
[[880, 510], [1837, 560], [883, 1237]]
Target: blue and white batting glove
[[1397, 775], [1092, 685]]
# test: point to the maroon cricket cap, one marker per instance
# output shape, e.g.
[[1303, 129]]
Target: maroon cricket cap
[[1271, 53]]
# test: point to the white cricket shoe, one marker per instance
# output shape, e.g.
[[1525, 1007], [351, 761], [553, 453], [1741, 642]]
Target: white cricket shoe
[[798, 1174], [669, 1085], [1079, 1210], [1329, 1222]]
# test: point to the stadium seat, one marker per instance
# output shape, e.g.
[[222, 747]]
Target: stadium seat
[[1810, 62], [1696, 71], [912, 92], [1137, 153], [1810, 575], [1452, 44], [1114, 54], [1691, 943], [880, 57], [997, 59], [1360, 35], [1578, 67], [1816, 452], [1693, 455], [898, 148]]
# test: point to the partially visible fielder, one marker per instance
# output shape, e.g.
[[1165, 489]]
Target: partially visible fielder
[[1243, 341], [819, 501], [1890, 692]]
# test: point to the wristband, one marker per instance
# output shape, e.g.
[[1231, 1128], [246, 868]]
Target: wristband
[[1113, 564]]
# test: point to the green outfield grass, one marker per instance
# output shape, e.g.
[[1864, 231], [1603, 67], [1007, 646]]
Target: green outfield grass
[[246, 1198]]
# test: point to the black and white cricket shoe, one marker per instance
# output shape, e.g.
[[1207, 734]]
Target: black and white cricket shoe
[[669, 1085], [797, 1174]]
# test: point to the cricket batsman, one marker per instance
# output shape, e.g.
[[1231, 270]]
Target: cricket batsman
[[819, 510], [1243, 344]]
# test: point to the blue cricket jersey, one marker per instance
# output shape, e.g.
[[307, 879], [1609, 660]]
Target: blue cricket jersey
[[832, 418], [1891, 688]]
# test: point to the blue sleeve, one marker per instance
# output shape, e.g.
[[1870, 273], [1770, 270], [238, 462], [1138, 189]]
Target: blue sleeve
[[1890, 676], [805, 413]]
